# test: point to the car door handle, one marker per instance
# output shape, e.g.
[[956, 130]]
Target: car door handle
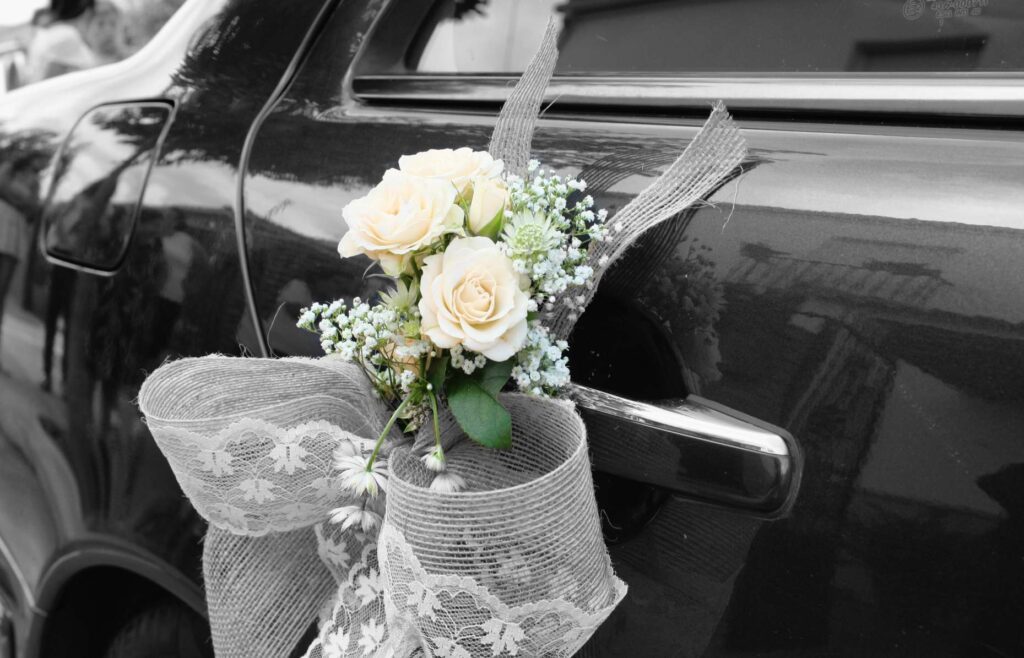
[[694, 447]]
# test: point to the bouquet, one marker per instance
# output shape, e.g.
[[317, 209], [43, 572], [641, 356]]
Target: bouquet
[[490, 542], [477, 255]]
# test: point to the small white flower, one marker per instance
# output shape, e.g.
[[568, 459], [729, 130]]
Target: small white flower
[[403, 297], [527, 234], [355, 515], [434, 460], [361, 478], [448, 482]]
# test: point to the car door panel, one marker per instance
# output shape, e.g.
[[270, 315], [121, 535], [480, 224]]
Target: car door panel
[[88, 498], [853, 285]]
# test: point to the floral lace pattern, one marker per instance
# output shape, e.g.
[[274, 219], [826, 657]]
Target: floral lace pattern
[[255, 477], [395, 608], [356, 623], [456, 617]]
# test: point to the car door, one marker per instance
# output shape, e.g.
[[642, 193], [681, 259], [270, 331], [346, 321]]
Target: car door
[[127, 257], [855, 285]]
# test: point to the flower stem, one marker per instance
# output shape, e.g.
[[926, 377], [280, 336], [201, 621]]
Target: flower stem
[[437, 428], [387, 428]]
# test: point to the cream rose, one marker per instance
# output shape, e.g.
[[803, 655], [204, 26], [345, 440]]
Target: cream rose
[[490, 196], [398, 218], [458, 166], [472, 297]]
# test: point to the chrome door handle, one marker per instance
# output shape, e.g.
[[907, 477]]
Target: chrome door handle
[[694, 447]]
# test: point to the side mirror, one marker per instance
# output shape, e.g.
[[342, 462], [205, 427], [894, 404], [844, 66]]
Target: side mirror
[[98, 181]]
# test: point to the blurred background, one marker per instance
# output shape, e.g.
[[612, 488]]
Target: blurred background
[[40, 39]]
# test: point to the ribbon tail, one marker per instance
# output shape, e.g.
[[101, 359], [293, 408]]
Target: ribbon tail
[[513, 132], [358, 622], [263, 593], [706, 162]]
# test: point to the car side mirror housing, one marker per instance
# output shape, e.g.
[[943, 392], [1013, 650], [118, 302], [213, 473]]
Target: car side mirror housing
[[98, 180]]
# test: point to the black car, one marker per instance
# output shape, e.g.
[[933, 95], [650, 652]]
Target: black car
[[848, 306]]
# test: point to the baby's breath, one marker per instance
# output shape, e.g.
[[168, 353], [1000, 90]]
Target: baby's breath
[[548, 232], [384, 338], [541, 368]]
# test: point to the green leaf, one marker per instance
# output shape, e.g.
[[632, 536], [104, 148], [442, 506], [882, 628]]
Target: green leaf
[[493, 227], [493, 376], [479, 415], [437, 373]]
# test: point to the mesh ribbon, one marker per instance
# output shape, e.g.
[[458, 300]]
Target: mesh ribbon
[[513, 132], [715, 152], [251, 443], [513, 565]]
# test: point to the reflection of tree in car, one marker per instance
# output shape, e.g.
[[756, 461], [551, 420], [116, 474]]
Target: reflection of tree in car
[[19, 199], [23, 156], [227, 74], [91, 227], [123, 324], [179, 251], [688, 287]]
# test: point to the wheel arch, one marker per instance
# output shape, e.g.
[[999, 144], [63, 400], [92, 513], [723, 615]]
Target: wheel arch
[[94, 587]]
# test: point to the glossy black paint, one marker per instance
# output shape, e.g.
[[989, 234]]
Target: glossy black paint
[[89, 216], [88, 501], [857, 284]]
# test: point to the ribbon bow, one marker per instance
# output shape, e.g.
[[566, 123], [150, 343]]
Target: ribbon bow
[[513, 565]]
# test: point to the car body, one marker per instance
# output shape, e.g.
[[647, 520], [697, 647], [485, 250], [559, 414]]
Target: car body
[[857, 284]]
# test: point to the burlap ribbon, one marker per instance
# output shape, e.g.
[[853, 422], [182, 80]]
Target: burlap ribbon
[[251, 442], [513, 565]]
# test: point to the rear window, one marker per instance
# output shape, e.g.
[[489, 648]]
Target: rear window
[[673, 37]]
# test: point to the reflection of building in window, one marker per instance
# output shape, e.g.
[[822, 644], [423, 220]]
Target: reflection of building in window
[[489, 37], [720, 36], [882, 348]]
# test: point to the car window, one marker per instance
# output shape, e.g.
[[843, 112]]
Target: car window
[[101, 172], [659, 37]]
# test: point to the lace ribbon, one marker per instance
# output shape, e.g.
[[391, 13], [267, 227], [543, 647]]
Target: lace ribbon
[[515, 565], [251, 443]]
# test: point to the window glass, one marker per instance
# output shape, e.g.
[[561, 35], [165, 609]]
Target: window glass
[[659, 37], [101, 171]]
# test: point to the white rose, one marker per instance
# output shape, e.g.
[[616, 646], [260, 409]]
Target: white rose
[[472, 297], [490, 197], [458, 166], [398, 218]]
